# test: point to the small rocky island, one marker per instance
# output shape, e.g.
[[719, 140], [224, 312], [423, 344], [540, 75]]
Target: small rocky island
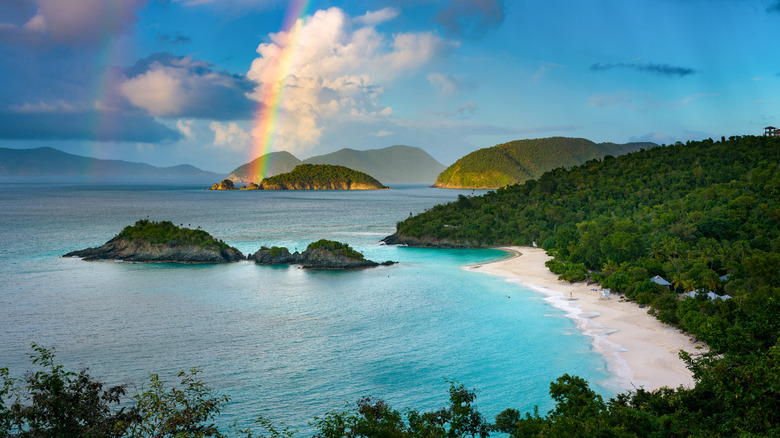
[[162, 242], [322, 254], [311, 177]]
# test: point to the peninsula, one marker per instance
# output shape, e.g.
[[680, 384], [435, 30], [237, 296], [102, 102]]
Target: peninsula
[[162, 242]]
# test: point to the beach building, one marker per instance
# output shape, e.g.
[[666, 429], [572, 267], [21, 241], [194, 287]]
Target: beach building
[[660, 280], [771, 131], [711, 295]]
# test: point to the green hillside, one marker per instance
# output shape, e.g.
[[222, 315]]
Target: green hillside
[[321, 177], [705, 216], [392, 164], [278, 162], [521, 160]]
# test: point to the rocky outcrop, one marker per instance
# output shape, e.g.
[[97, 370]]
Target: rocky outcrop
[[142, 251], [323, 254], [148, 241], [250, 186], [275, 256], [398, 239], [225, 184], [324, 258], [328, 185]]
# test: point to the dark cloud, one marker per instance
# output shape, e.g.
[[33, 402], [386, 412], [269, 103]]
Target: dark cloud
[[657, 69], [86, 125], [177, 39], [63, 93], [471, 18]]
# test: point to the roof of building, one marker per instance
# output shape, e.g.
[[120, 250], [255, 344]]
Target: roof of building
[[660, 280]]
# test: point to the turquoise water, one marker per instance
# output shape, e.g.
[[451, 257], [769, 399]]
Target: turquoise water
[[282, 342]]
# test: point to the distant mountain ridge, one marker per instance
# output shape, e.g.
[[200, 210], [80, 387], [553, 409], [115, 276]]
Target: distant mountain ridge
[[49, 161], [394, 164], [522, 160]]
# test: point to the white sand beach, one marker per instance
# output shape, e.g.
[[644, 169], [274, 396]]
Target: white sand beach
[[640, 350]]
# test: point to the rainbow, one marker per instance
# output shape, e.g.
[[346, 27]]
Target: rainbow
[[270, 102], [103, 92]]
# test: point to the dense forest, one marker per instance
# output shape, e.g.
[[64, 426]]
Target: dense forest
[[704, 215], [320, 176], [522, 160]]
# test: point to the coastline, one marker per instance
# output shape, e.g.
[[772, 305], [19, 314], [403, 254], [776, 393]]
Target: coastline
[[641, 351]]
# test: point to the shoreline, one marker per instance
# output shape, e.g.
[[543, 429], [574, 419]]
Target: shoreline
[[641, 351]]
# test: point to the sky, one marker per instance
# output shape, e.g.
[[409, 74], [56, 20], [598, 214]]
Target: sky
[[216, 83]]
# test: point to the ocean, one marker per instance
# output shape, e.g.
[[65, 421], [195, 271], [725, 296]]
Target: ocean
[[282, 342]]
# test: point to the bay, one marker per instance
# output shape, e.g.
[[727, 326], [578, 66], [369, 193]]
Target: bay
[[282, 342]]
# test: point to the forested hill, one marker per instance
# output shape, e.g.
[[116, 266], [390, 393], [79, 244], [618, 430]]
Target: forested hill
[[522, 160], [272, 163], [705, 216], [321, 177], [394, 164]]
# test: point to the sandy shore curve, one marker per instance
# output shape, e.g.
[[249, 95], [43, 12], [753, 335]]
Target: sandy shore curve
[[641, 351]]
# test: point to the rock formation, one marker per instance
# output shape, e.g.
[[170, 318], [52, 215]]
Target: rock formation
[[161, 242], [323, 254]]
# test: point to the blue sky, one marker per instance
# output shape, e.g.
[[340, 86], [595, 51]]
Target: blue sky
[[182, 81]]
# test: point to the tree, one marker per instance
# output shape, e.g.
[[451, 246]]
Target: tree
[[53, 402], [185, 412]]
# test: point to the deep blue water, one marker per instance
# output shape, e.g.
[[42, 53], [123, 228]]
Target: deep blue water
[[282, 342]]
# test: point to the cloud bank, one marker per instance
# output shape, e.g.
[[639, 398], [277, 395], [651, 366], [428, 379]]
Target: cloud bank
[[165, 85], [336, 69]]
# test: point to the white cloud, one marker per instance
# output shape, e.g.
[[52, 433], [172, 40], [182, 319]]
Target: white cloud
[[169, 86], [58, 106], [230, 136], [373, 18], [445, 84], [161, 91], [383, 133], [329, 66], [185, 127]]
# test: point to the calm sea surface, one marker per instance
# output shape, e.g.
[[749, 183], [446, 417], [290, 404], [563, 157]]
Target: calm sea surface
[[282, 342]]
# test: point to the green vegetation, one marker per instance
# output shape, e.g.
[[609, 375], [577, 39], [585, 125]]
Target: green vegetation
[[166, 233], [53, 402], [272, 163], [275, 251], [322, 176], [522, 160], [337, 248], [705, 215], [392, 164]]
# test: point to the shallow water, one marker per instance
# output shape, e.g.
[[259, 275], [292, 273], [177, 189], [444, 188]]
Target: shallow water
[[283, 342]]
